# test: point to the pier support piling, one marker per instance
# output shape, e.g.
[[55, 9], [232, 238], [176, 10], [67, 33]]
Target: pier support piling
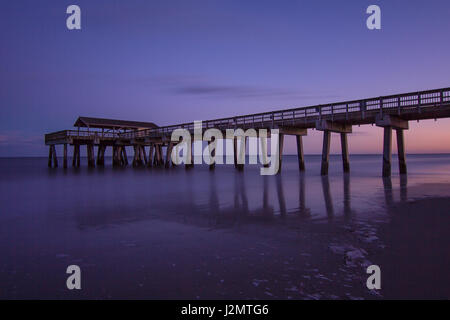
[[401, 152], [55, 158], [300, 155], [235, 152], [159, 155], [101, 155], [338, 127], [387, 151], [325, 152], [50, 155], [169, 154], [212, 152], [143, 155], [263, 154], [150, 156], [190, 156], [65, 156], [120, 155], [344, 147], [389, 122], [124, 156], [280, 151], [90, 155], [116, 156], [52, 159], [155, 157], [139, 152], [76, 156]]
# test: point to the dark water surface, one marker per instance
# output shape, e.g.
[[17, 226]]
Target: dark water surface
[[172, 233]]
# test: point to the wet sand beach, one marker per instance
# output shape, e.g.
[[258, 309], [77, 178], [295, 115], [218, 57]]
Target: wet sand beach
[[176, 234]]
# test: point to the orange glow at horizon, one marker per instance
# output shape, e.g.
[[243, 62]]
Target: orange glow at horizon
[[426, 136]]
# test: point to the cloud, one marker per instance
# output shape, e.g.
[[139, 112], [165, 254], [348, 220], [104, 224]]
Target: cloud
[[203, 87], [19, 138]]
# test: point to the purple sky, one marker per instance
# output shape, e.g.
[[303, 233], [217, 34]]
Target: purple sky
[[178, 61]]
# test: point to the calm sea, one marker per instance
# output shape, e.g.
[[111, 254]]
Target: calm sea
[[199, 234]]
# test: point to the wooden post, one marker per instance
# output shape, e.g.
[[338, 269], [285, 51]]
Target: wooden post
[[325, 152], [120, 159], [169, 154], [155, 159], [114, 151], [74, 155], [116, 160], [161, 155], [344, 147], [280, 150], [150, 156], [55, 159], [158, 155], [401, 152], [300, 155], [263, 151], [143, 155], [175, 148], [99, 151], [92, 160], [235, 152], [65, 156], [78, 156], [387, 151], [136, 155], [191, 155], [212, 166], [90, 154], [101, 155], [124, 156], [50, 155]]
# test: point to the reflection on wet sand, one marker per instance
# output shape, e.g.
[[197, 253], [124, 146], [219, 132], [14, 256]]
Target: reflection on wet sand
[[327, 197], [389, 193], [403, 187], [276, 199], [242, 201], [304, 212]]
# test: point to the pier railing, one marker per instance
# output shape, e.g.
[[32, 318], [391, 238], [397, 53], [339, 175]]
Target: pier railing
[[400, 104], [80, 134]]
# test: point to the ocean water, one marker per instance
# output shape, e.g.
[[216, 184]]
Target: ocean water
[[200, 234]]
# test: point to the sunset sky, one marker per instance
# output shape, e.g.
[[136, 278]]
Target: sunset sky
[[177, 61]]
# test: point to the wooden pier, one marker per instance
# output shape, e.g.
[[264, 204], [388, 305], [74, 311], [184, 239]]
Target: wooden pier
[[388, 112]]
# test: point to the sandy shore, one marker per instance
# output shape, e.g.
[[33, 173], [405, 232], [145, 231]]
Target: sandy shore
[[416, 261]]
